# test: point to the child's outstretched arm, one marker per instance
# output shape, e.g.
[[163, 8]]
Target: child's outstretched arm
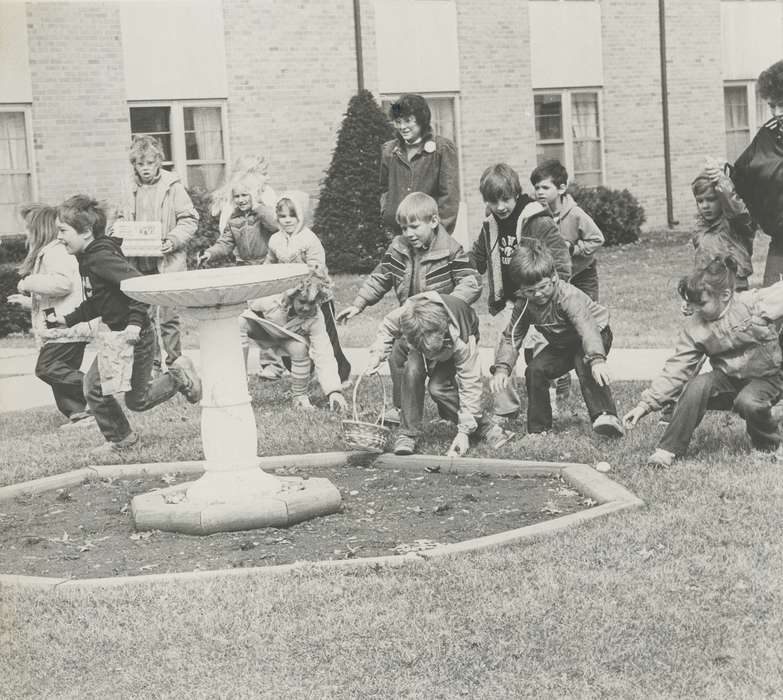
[[388, 331], [509, 345], [322, 355], [378, 282]]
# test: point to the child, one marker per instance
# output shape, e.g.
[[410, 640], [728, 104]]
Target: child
[[298, 329], [252, 171], [247, 231], [444, 329], [158, 195], [578, 335], [724, 226], [51, 277], [737, 332], [418, 161], [81, 227], [296, 243], [582, 236], [423, 258]]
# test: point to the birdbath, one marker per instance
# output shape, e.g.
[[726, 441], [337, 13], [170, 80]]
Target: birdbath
[[234, 493]]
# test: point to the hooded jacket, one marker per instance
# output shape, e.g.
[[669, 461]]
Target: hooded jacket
[[534, 223], [179, 219], [433, 169], [301, 246], [464, 332], [580, 233], [742, 343], [731, 233], [102, 267], [246, 234], [443, 267]]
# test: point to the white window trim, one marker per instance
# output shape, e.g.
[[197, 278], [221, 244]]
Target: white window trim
[[755, 120], [27, 110], [568, 138], [177, 126]]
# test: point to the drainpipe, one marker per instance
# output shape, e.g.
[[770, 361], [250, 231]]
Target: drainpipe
[[357, 30], [667, 153]]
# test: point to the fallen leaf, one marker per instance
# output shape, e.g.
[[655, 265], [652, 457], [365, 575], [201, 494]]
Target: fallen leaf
[[169, 478]]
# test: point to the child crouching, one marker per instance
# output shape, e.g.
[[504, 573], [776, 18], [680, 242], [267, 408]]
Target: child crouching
[[444, 329], [292, 323], [737, 332]]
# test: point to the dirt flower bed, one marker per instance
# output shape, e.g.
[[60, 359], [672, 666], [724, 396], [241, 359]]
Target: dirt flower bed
[[87, 531]]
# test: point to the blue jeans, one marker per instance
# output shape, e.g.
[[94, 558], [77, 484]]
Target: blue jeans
[[143, 395]]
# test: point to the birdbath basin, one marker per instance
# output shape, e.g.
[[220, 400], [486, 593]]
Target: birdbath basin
[[234, 493]]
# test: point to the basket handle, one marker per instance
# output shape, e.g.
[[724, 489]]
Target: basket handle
[[383, 390]]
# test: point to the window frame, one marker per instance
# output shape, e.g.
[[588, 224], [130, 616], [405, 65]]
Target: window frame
[[27, 111], [568, 139], [758, 111], [179, 160]]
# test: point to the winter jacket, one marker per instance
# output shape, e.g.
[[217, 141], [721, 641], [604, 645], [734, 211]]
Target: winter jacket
[[246, 234], [463, 329], [302, 246], [580, 233], [442, 268], [55, 283], [179, 219], [311, 330], [742, 343], [732, 233], [102, 267], [433, 169], [535, 223], [570, 318]]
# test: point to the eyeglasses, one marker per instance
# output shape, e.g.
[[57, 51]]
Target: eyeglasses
[[540, 288]]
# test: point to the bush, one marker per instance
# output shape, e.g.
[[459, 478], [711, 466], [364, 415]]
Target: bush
[[616, 212], [348, 217], [13, 249], [207, 232], [13, 318]]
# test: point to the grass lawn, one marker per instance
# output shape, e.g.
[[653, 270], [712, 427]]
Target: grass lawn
[[682, 598]]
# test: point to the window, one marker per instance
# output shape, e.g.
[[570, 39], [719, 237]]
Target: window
[[192, 135], [568, 128], [744, 113], [444, 115], [16, 174]]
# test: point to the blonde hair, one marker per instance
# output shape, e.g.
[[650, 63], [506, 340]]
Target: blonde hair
[[424, 323], [417, 206], [41, 223]]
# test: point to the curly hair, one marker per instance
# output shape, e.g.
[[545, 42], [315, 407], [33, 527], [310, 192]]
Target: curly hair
[[316, 287], [770, 85], [415, 106], [714, 276]]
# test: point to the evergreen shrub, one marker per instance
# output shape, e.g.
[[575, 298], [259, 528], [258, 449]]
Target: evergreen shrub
[[13, 318], [616, 212], [13, 249], [348, 216], [207, 232]]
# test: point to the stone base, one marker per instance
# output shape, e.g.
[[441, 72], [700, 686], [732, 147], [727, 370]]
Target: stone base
[[172, 509]]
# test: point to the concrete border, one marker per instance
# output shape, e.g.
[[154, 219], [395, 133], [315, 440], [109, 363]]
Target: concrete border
[[610, 496]]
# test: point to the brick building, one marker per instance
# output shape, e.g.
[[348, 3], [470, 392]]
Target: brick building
[[513, 81]]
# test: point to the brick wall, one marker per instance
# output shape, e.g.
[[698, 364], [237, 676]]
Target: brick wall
[[80, 116], [291, 70], [496, 99]]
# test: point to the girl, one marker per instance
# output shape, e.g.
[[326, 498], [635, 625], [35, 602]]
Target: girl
[[737, 332], [51, 277], [293, 323]]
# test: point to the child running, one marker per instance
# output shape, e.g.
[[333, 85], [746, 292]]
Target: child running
[[737, 332]]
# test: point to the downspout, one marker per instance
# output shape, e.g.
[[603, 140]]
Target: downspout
[[667, 152], [357, 31]]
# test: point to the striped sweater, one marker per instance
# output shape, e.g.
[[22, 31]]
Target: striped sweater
[[443, 268]]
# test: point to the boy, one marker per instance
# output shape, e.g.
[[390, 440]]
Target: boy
[[578, 335], [724, 226], [81, 227], [418, 161], [423, 258], [158, 195], [577, 228], [246, 233], [444, 329]]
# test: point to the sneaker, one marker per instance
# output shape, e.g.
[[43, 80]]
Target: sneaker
[[404, 445], [113, 450], [392, 417], [553, 403], [497, 437], [609, 426], [85, 420], [661, 459], [184, 372]]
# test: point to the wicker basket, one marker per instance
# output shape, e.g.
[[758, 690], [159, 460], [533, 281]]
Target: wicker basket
[[361, 435]]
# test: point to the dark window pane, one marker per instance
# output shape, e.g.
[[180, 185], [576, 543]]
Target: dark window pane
[[548, 117], [149, 120]]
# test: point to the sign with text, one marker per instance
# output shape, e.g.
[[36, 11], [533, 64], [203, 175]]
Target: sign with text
[[139, 238]]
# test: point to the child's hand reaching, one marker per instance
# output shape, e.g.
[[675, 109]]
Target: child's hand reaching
[[21, 299], [166, 246], [373, 363], [601, 374], [633, 416], [499, 380], [347, 313], [459, 446], [337, 402], [713, 169], [203, 258]]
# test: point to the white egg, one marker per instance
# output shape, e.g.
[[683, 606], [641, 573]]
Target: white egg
[[602, 467]]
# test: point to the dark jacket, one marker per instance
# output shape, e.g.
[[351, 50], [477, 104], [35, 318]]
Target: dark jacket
[[534, 223], [246, 235], [434, 170], [102, 267]]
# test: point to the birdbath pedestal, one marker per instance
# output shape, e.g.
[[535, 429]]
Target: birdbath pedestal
[[234, 493]]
